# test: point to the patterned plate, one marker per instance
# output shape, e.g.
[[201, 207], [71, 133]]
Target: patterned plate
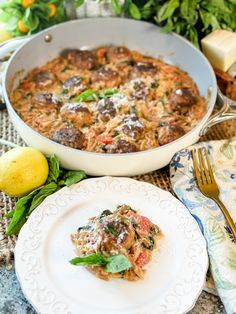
[[174, 278]]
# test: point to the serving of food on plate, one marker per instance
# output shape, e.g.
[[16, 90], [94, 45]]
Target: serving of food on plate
[[122, 236], [141, 256]]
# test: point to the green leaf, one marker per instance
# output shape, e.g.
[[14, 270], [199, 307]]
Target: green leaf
[[87, 95], [95, 259], [10, 214], [111, 229], [73, 176], [30, 20], [20, 212], [47, 190], [78, 3], [188, 11], [106, 93], [113, 264], [134, 11], [168, 10], [54, 170], [117, 263], [116, 7]]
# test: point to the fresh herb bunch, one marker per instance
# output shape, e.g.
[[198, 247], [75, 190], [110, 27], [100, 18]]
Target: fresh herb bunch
[[24, 17], [57, 178], [192, 19]]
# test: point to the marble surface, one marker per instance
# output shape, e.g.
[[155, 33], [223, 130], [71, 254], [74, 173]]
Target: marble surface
[[12, 300]]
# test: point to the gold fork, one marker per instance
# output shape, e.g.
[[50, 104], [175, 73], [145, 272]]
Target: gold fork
[[207, 184]]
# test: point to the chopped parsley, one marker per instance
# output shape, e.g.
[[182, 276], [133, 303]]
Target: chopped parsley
[[65, 92], [133, 109], [110, 228], [65, 69], [136, 85], [162, 123], [155, 84], [115, 133]]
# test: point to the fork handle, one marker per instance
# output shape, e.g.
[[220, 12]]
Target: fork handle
[[227, 216]]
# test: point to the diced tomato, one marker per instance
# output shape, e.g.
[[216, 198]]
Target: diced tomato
[[142, 259], [101, 52], [130, 213], [105, 139], [144, 224], [26, 85]]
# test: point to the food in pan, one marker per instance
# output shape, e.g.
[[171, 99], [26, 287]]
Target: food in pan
[[226, 83], [116, 244], [109, 100]]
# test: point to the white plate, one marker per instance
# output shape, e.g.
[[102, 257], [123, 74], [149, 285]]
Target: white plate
[[174, 278]]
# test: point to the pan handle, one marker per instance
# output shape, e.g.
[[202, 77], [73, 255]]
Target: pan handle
[[225, 113], [11, 45]]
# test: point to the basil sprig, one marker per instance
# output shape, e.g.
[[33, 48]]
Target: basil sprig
[[57, 178], [112, 264], [91, 95]]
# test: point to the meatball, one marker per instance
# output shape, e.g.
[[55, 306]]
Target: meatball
[[43, 78], [69, 136], [47, 99], [118, 54], [169, 133], [82, 59], [144, 69], [106, 109], [74, 84], [132, 126], [121, 146], [106, 77], [181, 100], [77, 113]]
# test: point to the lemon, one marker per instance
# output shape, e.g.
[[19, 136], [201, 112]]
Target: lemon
[[22, 170]]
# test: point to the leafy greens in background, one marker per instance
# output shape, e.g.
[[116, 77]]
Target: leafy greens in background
[[57, 178], [30, 16], [192, 19]]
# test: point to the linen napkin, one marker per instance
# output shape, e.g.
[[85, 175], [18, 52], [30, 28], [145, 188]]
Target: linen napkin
[[220, 242]]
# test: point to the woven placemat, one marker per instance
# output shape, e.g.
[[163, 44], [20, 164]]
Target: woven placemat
[[159, 178]]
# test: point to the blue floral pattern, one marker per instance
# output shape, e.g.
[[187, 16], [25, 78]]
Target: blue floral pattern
[[220, 241]]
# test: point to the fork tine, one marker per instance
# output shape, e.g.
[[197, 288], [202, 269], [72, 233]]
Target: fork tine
[[209, 167], [203, 169], [195, 166]]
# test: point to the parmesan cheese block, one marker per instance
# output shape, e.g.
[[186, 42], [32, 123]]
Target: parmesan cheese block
[[220, 48]]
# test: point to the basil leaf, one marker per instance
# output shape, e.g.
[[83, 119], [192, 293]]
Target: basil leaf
[[46, 190], [117, 263], [116, 7], [10, 214], [170, 8], [113, 264], [73, 176], [95, 259], [134, 11], [54, 169], [20, 212], [106, 93], [87, 95]]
